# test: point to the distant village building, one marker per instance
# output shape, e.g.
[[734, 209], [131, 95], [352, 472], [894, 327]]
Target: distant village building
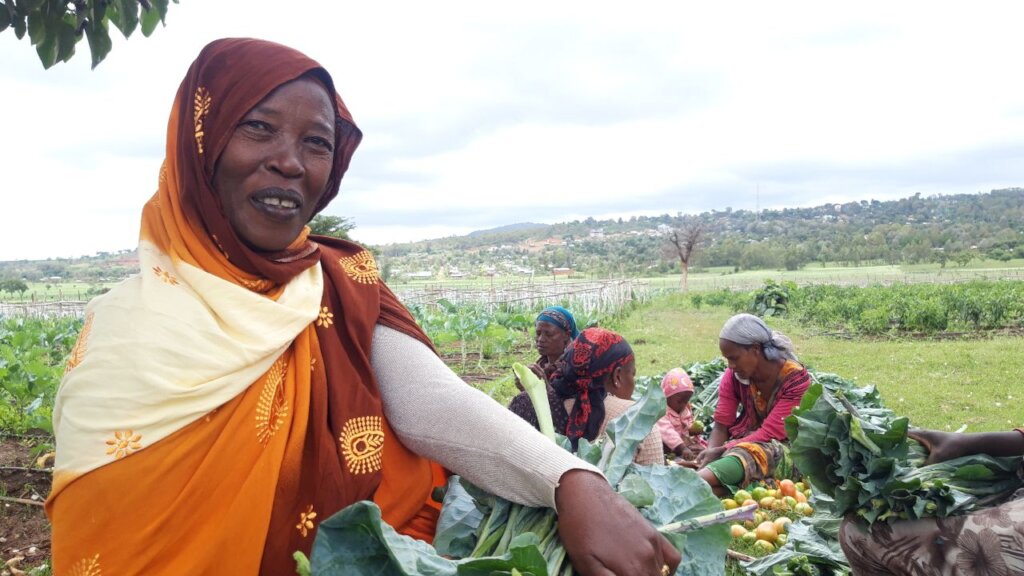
[[597, 233], [422, 274], [561, 271]]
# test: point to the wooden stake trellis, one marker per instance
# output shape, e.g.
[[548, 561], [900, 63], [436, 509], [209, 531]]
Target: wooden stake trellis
[[588, 297]]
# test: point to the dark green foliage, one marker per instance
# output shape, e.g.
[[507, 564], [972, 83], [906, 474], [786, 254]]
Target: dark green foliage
[[865, 462], [772, 299], [13, 285], [32, 355], [327, 225], [873, 310], [55, 26]]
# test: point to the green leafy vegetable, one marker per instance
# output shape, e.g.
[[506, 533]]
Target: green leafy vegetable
[[537, 390], [865, 462], [485, 534]]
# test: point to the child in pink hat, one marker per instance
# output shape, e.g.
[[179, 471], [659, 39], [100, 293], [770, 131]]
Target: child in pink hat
[[675, 425]]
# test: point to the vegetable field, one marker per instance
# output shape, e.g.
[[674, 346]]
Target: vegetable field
[[938, 382], [967, 308]]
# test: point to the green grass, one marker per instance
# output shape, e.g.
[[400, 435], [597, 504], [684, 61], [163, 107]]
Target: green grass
[[50, 292], [937, 384]]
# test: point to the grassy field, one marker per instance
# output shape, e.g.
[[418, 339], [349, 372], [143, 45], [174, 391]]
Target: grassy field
[[940, 384], [51, 292]]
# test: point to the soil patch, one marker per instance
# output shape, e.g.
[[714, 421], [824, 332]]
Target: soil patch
[[24, 529]]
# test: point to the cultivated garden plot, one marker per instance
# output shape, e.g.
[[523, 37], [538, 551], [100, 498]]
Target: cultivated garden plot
[[482, 340]]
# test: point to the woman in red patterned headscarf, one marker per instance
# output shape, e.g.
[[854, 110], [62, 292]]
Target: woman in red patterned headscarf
[[596, 377], [253, 379]]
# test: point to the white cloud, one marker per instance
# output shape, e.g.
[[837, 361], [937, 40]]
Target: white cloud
[[478, 115]]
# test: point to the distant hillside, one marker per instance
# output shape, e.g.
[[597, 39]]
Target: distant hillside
[[947, 229], [950, 230], [507, 228]]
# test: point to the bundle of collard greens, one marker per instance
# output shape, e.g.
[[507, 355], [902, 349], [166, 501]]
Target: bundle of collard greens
[[482, 534], [864, 461]]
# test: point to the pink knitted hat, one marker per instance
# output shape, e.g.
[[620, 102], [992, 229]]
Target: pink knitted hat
[[676, 381]]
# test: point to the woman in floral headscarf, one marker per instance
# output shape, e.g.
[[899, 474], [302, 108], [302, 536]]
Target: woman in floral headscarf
[[555, 329], [253, 380]]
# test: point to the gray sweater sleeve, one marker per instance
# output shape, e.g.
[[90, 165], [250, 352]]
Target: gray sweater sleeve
[[437, 415]]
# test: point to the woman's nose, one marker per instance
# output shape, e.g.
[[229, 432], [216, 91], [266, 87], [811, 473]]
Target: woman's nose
[[286, 159]]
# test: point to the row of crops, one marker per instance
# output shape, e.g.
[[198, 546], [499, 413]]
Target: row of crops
[[973, 306], [32, 355], [477, 329]]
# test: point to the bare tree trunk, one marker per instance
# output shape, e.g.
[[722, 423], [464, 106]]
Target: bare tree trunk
[[685, 243]]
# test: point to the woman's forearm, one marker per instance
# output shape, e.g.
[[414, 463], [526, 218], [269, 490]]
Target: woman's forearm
[[719, 436], [439, 416], [993, 443]]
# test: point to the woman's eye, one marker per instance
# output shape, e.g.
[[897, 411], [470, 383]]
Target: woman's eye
[[323, 143], [256, 125]]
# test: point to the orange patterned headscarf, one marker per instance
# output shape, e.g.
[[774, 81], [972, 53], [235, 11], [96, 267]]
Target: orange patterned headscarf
[[222, 404]]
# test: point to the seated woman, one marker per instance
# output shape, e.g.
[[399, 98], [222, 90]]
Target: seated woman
[[989, 541], [593, 385], [759, 389], [675, 425], [555, 330]]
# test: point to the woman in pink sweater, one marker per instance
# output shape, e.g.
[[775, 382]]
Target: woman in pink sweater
[[762, 385]]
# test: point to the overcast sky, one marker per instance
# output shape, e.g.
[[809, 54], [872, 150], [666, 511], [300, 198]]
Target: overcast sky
[[480, 114]]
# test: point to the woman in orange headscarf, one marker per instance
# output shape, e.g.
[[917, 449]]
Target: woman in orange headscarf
[[251, 381]]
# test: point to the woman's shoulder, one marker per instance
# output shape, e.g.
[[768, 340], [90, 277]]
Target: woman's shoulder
[[615, 406], [794, 373]]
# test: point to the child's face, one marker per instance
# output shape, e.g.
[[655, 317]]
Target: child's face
[[679, 401]]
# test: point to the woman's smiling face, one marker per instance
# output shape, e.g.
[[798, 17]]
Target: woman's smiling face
[[277, 164]]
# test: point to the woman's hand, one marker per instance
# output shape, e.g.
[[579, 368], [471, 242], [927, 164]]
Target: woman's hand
[[519, 384], [941, 446], [604, 535], [539, 371], [709, 455]]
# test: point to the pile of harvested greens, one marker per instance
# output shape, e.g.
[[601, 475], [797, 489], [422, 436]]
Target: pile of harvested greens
[[864, 460], [482, 534]]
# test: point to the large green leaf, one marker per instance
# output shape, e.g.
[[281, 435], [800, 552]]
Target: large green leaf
[[356, 542], [636, 490], [628, 430], [125, 15], [681, 494], [99, 41], [459, 521]]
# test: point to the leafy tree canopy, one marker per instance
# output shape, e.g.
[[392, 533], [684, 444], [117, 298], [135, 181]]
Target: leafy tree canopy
[[13, 285], [54, 27], [336, 226]]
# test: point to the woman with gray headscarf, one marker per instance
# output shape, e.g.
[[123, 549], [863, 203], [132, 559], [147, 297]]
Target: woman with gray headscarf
[[759, 389]]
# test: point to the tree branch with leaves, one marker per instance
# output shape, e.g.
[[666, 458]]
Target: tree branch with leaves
[[54, 27], [327, 225]]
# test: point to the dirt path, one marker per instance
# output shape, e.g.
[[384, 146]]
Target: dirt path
[[24, 529]]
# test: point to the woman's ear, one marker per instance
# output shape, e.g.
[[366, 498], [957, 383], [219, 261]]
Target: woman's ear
[[615, 376]]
